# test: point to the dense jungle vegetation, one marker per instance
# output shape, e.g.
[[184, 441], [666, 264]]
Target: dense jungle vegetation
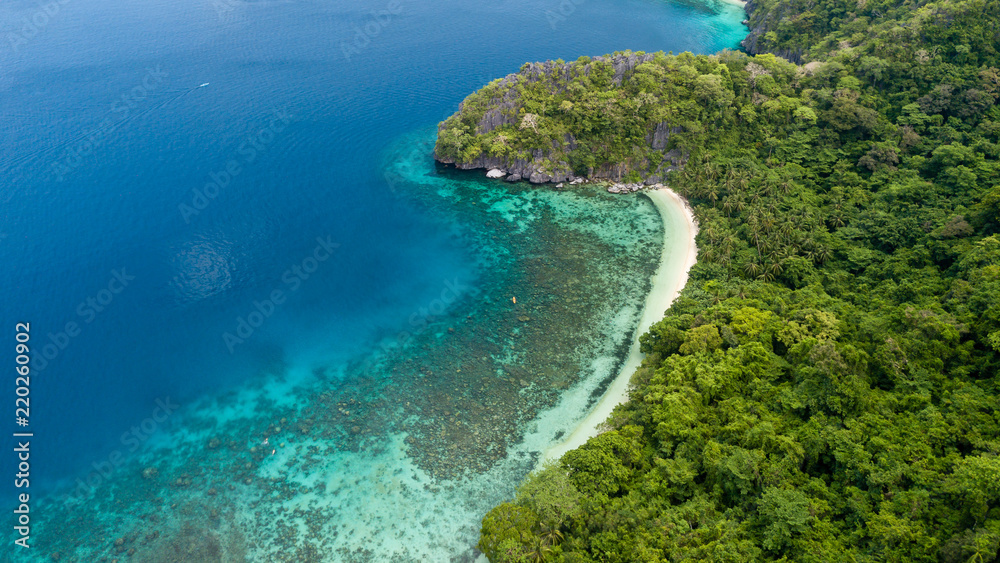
[[826, 387]]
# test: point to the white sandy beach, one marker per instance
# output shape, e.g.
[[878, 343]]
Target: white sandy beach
[[679, 254]]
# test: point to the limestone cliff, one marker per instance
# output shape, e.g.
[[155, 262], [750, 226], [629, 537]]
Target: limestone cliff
[[525, 125]]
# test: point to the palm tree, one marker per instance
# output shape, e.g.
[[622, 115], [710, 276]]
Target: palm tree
[[710, 171], [711, 234], [823, 253], [768, 223], [774, 268], [539, 551], [712, 191], [836, 219], [729, 179], [550, 533], [727, 243], [687, 176], [793, 244], [755, 236], [786, 186], [817, 252], [716, 296], [786, 230], [743, 181], [728, 205]]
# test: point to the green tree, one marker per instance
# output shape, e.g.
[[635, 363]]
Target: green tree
[[507, 534]]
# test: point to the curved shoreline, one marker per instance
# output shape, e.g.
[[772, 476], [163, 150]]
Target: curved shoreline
[[678, 255]]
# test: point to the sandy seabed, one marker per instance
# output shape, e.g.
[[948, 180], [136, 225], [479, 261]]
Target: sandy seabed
[[679, 254]]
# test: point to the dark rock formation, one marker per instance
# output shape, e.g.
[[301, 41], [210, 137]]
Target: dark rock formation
[[760, 22], [659, 137]]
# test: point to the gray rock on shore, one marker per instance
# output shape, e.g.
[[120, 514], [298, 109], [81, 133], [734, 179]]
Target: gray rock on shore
[[624, 188], [495, 173], [539, 178]]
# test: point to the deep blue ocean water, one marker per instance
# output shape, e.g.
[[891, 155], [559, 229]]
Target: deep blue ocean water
[[146, 222]]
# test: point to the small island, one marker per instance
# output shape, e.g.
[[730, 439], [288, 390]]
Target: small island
[[825, 388]]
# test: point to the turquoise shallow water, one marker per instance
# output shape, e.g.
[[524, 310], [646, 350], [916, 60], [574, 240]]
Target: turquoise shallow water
[[405, 373], [396, 455]]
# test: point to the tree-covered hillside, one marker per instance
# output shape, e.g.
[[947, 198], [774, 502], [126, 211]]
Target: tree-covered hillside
[[826, 388]]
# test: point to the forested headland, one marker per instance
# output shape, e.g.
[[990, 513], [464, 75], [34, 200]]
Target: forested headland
[[826, 387]]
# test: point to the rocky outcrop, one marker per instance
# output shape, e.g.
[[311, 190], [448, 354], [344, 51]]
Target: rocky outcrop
[[497, 117], [534, 170], [551, 165], [625, 188], [751, 41], [537, 171], [661, 135], [622, 63], [626, 64], [761, 21]]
